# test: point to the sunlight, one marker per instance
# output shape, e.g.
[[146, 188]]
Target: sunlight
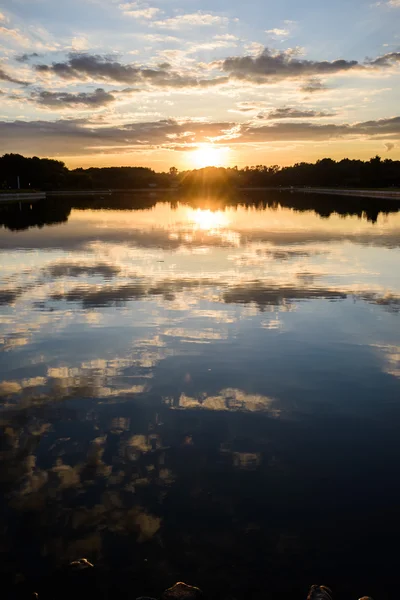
[[208, 155], [208, 220]]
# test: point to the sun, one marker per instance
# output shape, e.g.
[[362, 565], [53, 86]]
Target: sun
[[209, 155]]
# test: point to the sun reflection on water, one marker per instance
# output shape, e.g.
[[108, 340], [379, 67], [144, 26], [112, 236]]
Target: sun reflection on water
[[207, 220]]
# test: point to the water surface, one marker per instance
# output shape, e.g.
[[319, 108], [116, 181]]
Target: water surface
[[202, 391]]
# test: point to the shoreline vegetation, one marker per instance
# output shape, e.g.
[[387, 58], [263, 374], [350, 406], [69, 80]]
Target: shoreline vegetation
[[22, 175]]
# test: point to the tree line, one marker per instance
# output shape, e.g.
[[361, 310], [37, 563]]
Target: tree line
[[49, 174]]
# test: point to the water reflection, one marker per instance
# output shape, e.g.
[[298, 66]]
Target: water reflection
[[200, 394]]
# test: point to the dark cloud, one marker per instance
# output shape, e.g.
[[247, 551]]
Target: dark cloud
[[296, 113], [83, 67], [271, 65], [389, 146], [309, 131], [23, 58], [71, 136], [76, 270], [312, 86], [5, 77], [387, 60], [65, 99], [67, 137]]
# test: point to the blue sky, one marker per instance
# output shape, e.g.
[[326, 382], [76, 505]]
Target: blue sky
[[104, 82]]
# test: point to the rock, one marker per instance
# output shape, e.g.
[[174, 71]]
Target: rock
[[182, 591], [319, 592], [80, 564]]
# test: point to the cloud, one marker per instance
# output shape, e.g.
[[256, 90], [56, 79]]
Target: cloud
[[14, 35], [197, 19], [211, 45], [65, 99], [296, 113], [266, 67], [86, 66], [228, 37], [314, 132], [278, 32], [274, 66], [139, 11], [83, 136], [249, 106], [387, 60], [82, 66], [394, 3], [5, 77], [78, 44], [23, 58], [313, 85], [389, 146]]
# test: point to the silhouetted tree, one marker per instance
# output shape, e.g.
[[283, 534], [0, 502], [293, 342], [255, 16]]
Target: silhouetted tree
[[46, 174]]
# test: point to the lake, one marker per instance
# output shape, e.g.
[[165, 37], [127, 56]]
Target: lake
[[202, 389]]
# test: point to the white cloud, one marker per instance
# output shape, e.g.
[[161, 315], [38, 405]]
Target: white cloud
[[79, 43], [191, 19], [160, 38], [32, 38], [139, 11], [212, 45], [254, 48], [227, 37], [278, 32], [14, 35]]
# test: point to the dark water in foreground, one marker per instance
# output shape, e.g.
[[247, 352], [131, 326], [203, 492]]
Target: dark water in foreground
[[199, 395]]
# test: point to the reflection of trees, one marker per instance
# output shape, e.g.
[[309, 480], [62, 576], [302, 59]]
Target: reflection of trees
[[38, 214], [51, 212], [323, 205]]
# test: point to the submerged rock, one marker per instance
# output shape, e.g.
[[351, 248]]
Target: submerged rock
[[182, 591], [80, 564]]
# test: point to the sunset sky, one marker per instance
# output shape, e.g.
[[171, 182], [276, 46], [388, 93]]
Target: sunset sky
[[189, 83]]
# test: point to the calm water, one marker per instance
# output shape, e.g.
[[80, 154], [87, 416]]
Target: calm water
[[202, 394]]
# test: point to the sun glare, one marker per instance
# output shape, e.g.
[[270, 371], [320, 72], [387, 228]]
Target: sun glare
[[208, 220], [209, 155]]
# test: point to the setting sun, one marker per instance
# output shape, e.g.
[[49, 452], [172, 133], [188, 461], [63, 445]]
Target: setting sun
[[208, 155]]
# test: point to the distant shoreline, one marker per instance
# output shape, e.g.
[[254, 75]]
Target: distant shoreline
[[361, 193], [358, 193], [15, 196]]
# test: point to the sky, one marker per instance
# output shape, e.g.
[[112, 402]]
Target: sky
[[190, 83]]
